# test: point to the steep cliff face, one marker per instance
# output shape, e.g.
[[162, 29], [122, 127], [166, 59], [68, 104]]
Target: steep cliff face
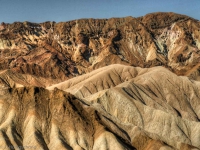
[[90, 84]]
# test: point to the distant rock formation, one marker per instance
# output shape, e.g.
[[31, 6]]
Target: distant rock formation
[[96, 84], [67, 49]]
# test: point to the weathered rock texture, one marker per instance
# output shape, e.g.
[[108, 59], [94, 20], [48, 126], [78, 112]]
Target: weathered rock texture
[[97, 84], [114, 107], [67, 49]]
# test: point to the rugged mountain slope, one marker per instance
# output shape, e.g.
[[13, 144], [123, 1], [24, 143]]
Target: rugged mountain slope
[[34, 118], [67, 49], [97, 84], [115, 107]]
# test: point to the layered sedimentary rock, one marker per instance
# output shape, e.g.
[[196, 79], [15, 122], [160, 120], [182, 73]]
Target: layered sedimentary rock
[[97, 84], [67, 49]]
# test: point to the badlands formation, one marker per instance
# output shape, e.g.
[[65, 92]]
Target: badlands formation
[[101, 84]]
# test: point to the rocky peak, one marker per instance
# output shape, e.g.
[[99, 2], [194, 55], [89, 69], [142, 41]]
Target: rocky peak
[[76, 47]]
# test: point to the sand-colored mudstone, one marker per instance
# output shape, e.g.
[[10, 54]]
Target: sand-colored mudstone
[[101, 84]]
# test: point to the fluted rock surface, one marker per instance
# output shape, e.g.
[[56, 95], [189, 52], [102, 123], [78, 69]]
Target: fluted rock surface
[[114, 107], [96, 84]]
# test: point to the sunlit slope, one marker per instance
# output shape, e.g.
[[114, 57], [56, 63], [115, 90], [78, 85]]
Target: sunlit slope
[[155, 102]]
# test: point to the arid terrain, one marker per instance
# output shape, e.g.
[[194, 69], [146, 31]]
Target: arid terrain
[[101, 84]]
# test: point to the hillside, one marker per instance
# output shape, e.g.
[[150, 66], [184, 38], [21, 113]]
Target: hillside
[[101, 84]]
